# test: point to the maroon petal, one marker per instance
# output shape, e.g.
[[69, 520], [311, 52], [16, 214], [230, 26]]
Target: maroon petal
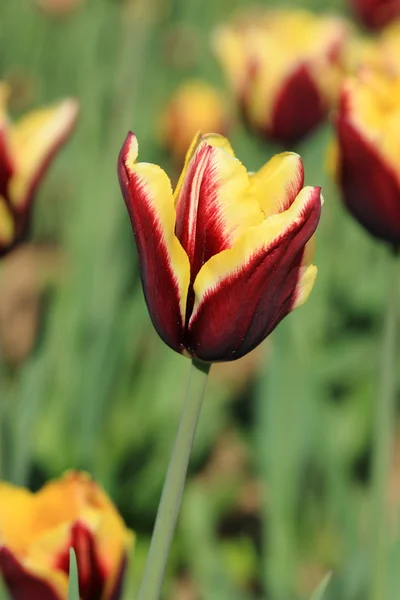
[[164, 266], [370, 187], [6, 166], [298, 108], [242, 306], [20, 583], [376, 13], [92, 575]]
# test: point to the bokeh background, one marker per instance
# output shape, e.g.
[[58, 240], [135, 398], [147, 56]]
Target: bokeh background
[[278, 491]]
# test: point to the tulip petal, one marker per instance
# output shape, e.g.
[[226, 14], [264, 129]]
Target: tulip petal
[[278, 182], [242, 293], [164, 264], [26, 581], [15, 517], [34, 141], [298, 108], [7, 227], [370, 186], [213, 205]]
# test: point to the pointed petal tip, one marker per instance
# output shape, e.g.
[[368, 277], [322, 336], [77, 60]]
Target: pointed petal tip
[[130, 150]]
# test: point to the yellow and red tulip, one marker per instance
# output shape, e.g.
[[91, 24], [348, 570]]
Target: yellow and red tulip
[[27, 148], [375, 14], [195, 106], [279, 65], [228, 254], [368, 146], [37, 530]]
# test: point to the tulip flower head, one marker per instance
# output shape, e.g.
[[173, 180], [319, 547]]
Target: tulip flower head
[[27, 148], [375, 14], [368, 146], [225, 256], [279, 65], [195, 106], [37, 530]]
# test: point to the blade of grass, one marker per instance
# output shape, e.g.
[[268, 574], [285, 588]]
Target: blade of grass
[[73, 588], [321, 589]]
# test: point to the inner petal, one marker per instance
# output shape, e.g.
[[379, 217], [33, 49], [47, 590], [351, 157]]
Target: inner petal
[[278, 182], [214, 205]]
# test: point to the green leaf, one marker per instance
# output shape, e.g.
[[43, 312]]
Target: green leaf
[[73, 588], [321, 589]]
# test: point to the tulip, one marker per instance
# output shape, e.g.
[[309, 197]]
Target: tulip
[[37, 530], [195, 106], [59, 8], [367, 168], [227, 255], [27, 148], [375, 14], [281, 66]]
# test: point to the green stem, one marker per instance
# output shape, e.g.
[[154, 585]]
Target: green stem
[[383, 442], [171, 497]]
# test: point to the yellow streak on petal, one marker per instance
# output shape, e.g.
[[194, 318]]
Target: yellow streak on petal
[[228, 262], [159, 194], [7, 226], [213, 139], [33, 139], [272, 182], [305, 285]]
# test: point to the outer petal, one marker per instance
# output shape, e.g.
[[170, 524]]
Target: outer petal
[[370, 188], [25, 582], [277, 183], [34, 141], [243, 293], [213, 204], [298, 108], [164, 264]]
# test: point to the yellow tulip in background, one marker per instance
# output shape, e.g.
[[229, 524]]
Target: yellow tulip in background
[[280, 65], [37, 530], [194, 106]]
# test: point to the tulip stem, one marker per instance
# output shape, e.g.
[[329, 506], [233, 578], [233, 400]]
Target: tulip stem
[[383, 440], [171, 497]]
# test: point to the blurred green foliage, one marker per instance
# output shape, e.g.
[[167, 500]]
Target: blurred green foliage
[[278, 489]]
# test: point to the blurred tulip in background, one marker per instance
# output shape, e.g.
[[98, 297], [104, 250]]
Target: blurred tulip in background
[[227, 255], [195, 106], [37, 530], [59, 8], [375, 14], [368, 146], [281, 66], [27, 148]]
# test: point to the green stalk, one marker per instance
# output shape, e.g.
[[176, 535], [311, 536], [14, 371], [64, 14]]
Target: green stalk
[[383, 441], [171, 497]]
